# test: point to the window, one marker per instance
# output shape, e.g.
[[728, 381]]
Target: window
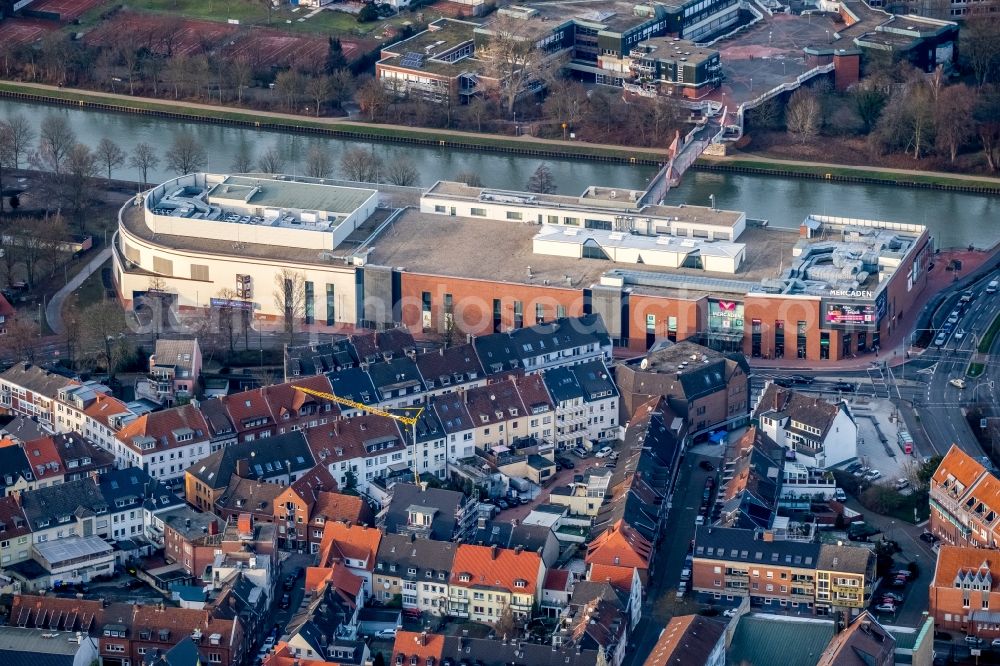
[[199, 272], [163, 266], [330, 308], [475, 212], [518, 314], [514, 215], [310, 309], [539, 313], [439, 209]]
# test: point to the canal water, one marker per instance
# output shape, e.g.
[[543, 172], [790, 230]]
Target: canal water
[[955, 219]]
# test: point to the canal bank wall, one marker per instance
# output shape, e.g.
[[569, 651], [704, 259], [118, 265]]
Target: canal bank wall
[[538, 148]]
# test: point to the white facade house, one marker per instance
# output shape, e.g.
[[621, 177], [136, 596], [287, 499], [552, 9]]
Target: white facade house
[[586, 401], [91, 411], [76, 559], [164, 443], [819, 434]]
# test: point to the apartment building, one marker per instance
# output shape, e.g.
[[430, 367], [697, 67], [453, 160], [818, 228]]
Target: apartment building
[[690, 639], [90, 410], [510, 410], [542, 344], [294, 505], [732, 563], [710, 390], [15, 534], [585, 494], [163, 443], [669, 66], [174, 369], [353, 546], [751, 483], [446, 370], [134, 498], [964, 595], [862, 641], [819, 433], [965, 501], [30, 391], [487, 581], [414, 570], [429, 513], [586, 403]]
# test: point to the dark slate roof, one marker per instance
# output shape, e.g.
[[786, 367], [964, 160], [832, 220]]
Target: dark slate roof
[[135, 487], [307, 360], [763, 641], [323, 616], [494, 534], [284, 453], [24, 429], [13, 464], [354, 384], [563, 333], [405, 495], [562, 384], [35, 379], [449, 366], [429, 427], [594, 379], [19, 658], [532, 537], [585, 591], [217, 418], [425, 556], [490, 652], [750, 498], [386, 344], [452, 412], [497, 353], [395, 374], [73, 498], [780, 403], [184, 653], [740, 545]]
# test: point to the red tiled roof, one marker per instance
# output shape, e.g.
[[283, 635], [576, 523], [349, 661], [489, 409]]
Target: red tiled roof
[[345, 439], [6, 309], [284, 399], [620, 545], [959, 465], [619, 577], [340, 507], [247, 406], [533, 392], [420, 645], [12, 518], [103, 407], [162, 425], [953, 559], [354, 542], [308, 486], [54, 613], [44, 458], [556, 579], [496, 567], [181, 622]]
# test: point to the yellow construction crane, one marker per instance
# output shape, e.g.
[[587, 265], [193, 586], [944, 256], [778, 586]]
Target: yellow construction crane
[[406, 420]]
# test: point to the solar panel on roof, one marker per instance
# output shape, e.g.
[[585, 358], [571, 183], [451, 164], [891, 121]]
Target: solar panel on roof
[[411, 59]]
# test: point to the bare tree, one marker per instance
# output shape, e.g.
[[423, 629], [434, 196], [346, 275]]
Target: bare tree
[[318, 163], [290, 85], [542, 180], [766, 115], [55, 140], [479, 110], [104, 329], [144, 158], [271, 161], [240, 76], [319, 89], [566, 103], [987, 118], [230, 318], [512, 62], [110, 155], [20, 339], [980, 42], [186, 155], [402, 171], [373, 100], [21, 138], [290, 299], [360, 165], [244, 160], [77, 185], [6, 155], [342, 86], [953, 109], [470, 178], [804, 114]]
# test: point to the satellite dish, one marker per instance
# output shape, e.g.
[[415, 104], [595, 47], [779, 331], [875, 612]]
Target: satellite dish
[[644, 364], [386, 585]]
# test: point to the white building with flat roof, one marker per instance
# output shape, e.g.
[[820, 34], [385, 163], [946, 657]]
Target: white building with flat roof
[[75, 559]]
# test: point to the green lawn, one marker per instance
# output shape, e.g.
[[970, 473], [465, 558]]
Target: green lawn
[[975, 369], [991, 333]]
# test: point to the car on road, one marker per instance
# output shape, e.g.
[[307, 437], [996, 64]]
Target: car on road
[[886, 608], [731, 612], [685, 575], [902, 573], [840, 495], [699, 520], [844, 387], [268, 644], [940, 339], [892, 596], [957, 383], [385, 633], [854, 467], [681, 589], [503, 504], [959, 334], [802, 379], [286, 601], [953, 317], [289, 581], [707, 466], [604, 452], [902, 484], [995, 643], [566, 463], [992, 287], [928, 537], [973, 640], [967, 297]]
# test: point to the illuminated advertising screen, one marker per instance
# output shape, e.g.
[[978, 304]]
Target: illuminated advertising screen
[[851, 315], [725, 316]]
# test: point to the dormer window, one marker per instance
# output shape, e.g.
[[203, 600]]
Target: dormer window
[[520, 583], [399, 660], [464, 577]]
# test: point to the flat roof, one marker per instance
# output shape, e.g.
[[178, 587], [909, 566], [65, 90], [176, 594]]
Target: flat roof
[[501, 251], [296, 195], [674, 49], [578, 236], [40, 641], [71, 548], [428, 50], [599, 199], [613, 15]]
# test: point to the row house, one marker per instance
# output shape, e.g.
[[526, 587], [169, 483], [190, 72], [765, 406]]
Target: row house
[[16, 474], [362, 449], [586, 403], [348, 352], [279, 409], [353, 546], [65, 457], [546, 345], [134, 499], [600, 625], [429, 513], [964, 594], [965, 501], [487, 582], [509, 410], [293, 507], [751, 483], [426, 649], [15, 535], [445, 370], [30, 391], [327, 627], [817, 433], [337, 507], [690, 639], [164, 443], [584, 495], [416, 571], [279, 460], [90, 410], [622, 557], [76, 508], [731, 564], [174, 370]]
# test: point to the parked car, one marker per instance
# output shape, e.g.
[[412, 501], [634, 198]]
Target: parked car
[[286, 601], [699, 520], [953, 317], [385, 633], [289, 581], [959, 334], [873, 475], [894, 597], [928, 537], [802, 379], [902, 483], [707, 466], [902, 573], [731, 612], [844, 387], [995, 643], [268, 644], [886, 608], [604, 452], [957, 383], [973, 640], [503, 504], [681, 589], [854, 467], [840, 495], [566, 463], [940, 339], [685, 575]]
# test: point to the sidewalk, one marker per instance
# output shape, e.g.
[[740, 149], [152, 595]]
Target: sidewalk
[[53, 311], [895, 348]]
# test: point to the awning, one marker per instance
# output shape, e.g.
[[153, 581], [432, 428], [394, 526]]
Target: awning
[[986, 617]]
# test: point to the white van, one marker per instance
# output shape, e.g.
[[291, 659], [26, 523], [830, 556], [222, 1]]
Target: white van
[[992, 287]]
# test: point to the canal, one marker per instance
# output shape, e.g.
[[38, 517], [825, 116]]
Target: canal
[[955, 219]]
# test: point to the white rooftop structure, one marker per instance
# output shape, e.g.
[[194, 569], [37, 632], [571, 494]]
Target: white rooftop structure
[[61, 552], [623, 247]]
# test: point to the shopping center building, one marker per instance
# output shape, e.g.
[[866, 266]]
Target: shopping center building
[[485, 260]]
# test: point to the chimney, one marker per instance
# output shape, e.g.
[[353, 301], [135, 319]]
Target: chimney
[[517, 549], [441, 351], [423, 486], [213, 527], [494, 551], [242, 467], [423, 638]]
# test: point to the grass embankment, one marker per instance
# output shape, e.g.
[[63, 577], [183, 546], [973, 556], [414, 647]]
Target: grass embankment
[[985, 344], [888, 177], [357, 129]]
